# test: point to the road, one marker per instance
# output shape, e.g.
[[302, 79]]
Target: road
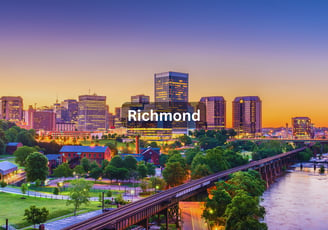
[[191, 215]]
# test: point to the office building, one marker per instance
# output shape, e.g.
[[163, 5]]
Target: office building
[[171, 87], [92, 113], [215, 112], [140, 99], [11, 108], [70, 110], [302, 127], [247, 116]]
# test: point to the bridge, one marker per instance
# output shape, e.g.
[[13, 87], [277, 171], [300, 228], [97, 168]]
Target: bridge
[[300, 140], [166, 202]]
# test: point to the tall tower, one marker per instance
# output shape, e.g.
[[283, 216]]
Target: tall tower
[[247, 115], [215, 112], [171, 87], [92, 113], [11, 108]]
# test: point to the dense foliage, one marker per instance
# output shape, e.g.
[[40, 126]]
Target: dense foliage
[[235, 203]]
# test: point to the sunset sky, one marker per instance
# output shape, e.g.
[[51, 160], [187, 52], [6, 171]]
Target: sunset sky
[[277, 50]]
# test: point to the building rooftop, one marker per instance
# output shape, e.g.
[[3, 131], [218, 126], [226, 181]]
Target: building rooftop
[[142, 150], [52, 156], [83, 149], [13, 143], [247, 98], [7, 167], [213, 98]]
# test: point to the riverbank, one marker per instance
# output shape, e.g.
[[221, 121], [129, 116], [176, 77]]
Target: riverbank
[[297, 200]]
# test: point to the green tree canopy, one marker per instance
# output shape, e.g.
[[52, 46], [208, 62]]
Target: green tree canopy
[[36, 167], [79, 193], [117, 162], [63, 170], [174, 174], [130, 163], [36, 215], [22, 153], [244, 212], [86, 164]]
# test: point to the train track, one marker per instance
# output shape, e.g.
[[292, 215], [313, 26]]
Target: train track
[[103, 220]]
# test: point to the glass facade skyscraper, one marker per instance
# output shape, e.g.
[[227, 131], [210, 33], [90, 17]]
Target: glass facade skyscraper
[[11, 108], [302, 127], [247, 115], [215, 112], [92, 113], [171, 87]]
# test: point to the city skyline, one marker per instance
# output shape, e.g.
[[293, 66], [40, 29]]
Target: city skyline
[[271, 50]]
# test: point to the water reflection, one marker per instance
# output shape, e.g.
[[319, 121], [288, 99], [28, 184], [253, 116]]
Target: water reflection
[[298, 201]]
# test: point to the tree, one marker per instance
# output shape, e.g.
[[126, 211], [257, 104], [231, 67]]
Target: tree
[[142, 171], [111, 172], [122, 174], [130, 163], [26, 138], [174, 174], [244, 213], [3, 184], [23, 188], [144, 185], [56, 191], [157, 183], [216, 160], [79, 193], [215, 207], [190, 154], [36, 215], [86, 164], [163, 159], [112, 147], [185, 139], [153, 144], [104, 164], [63, 170], [117, 162], [38, 183], [36, 167], [22, 153], [151, 169], [200, 171], [109, 193], [95, 172], [79, 170]]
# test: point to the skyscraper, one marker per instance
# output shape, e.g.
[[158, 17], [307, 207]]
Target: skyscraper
[[92, 113], [71, 108], [11, 108], [171, 87], [141, 99], [215, 112], [302, 127], [247, 115]]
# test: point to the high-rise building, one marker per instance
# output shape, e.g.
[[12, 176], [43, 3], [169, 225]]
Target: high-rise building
[[302, 127], [215, 112], [70, 111], [171, 87], [11, 108], [141, 99], [247, 115], [44, 120], [92, 113]]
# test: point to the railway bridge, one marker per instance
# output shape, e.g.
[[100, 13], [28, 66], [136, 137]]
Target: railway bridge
[[166, 202]]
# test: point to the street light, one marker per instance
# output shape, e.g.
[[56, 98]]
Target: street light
[[156, 188], [119, 186], [132, 193], [28, 191]]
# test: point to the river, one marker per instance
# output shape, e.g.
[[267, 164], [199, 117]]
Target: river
[[297, 201]]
